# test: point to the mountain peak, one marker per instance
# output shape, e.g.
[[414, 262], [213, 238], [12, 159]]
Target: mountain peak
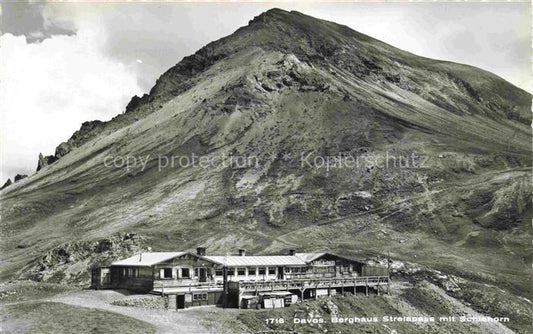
[[288, 16], [340, 54], [279, 19], [278, 13]]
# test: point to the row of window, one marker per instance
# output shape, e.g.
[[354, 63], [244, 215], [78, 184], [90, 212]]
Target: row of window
[[296, 270], [251, 271], [167, 272], [185, 272], [129, 272], [323, 263], [263, 271], [272, 271], [199, 296]]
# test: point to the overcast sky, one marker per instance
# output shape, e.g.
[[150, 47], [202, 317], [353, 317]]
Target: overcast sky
[[63, 64]]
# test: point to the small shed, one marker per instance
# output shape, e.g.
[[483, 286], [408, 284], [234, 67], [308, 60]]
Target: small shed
[[278, 299]]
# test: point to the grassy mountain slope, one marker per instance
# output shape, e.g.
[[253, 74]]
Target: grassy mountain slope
[[442, 175]]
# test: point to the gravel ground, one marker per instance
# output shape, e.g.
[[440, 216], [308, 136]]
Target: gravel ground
[[171, 322]]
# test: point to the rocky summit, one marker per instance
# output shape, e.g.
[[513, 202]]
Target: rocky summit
[[294, 132]]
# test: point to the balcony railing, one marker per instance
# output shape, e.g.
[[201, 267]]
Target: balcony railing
[[161, 285], [301, 284], [275, 285]]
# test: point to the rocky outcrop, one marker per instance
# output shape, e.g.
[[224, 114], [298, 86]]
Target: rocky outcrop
[[19, 177], [417, 272], [62, 150], [87, 131], [136, 102], [7, 184], [45, 161], [71, 262]]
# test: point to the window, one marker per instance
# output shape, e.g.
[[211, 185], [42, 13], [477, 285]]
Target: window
[[195, 272], [296, 270], [199, 296], [251, 271], [132, 272], [231, 272], [165, 272], [331, 269], [272, 271], [287, 270], [185, 273], [241, 271], [262, 271], [219, 272]]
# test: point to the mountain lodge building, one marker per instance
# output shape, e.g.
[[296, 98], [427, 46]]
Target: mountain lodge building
[[194, 279]]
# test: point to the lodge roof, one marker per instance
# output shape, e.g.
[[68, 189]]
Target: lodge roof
[[147, 259], [298, 259], [308, 257], [265, 260]]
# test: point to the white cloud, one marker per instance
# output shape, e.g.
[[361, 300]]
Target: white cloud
[[48, 89]]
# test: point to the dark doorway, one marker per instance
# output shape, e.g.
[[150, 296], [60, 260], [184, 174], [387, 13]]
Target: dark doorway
[[203, 275], [180, 302], [280, 272]]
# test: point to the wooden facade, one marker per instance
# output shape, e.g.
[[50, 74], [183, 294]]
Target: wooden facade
[[132, 278], [331, 266], [184, 270]]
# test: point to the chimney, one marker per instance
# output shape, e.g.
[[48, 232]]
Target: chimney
[[140, 257], [292, 252], [200, 251], [242, 252]]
